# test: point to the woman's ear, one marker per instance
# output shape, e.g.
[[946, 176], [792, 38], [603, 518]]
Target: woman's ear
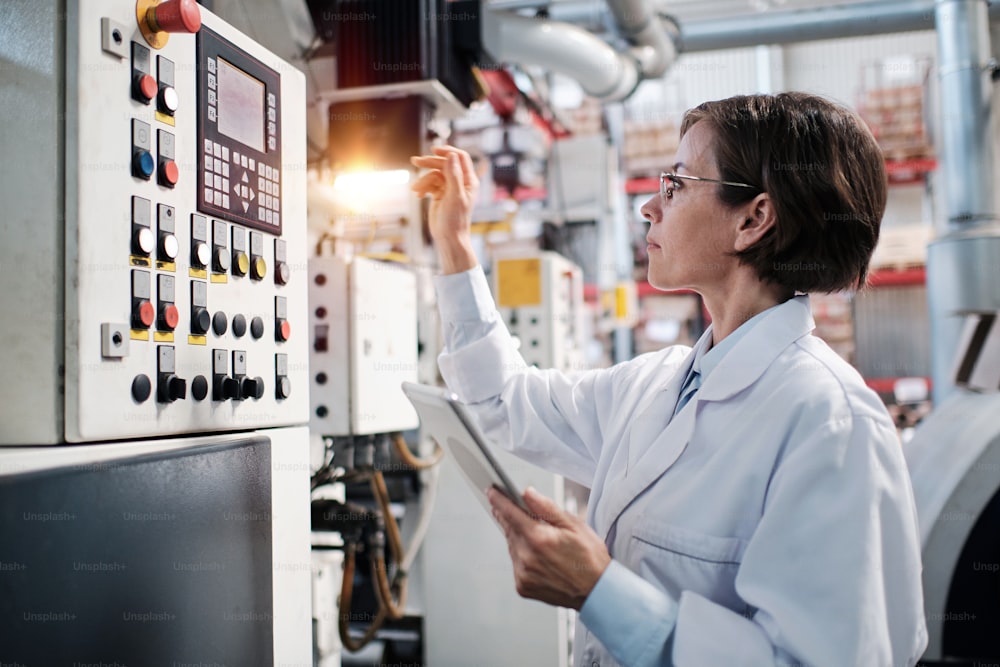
[[760, 218]]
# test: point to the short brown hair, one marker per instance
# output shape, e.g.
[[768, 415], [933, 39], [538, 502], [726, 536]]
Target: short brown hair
[[825, 175]]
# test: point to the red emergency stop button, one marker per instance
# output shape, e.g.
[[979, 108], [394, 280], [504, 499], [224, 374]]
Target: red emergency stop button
[[144, 88], [144, 315], [169, 174], [284, 331], [174, 16], [169, 317]]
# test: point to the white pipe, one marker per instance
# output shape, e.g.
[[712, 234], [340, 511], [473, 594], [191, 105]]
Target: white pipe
[[771, 27], [558, 47], [636, 22]]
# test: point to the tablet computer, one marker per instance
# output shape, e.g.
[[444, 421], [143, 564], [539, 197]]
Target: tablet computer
[[453, 427]]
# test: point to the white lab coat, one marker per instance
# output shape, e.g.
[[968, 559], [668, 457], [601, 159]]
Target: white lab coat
[[775, 508]]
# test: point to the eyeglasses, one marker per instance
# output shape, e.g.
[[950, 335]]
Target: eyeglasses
[[674, 178]]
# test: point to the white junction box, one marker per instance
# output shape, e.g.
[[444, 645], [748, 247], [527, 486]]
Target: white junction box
[[363, 330], [540, 298]]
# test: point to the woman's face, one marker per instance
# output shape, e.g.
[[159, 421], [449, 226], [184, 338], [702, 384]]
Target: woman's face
[[691, 232]]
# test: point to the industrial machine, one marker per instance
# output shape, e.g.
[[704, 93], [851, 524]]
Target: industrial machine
[[540, 299], [153, 262], [954, 461]]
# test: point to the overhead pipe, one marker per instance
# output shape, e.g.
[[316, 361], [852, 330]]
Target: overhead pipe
[[771, 27], [602, 72], [653, 46]]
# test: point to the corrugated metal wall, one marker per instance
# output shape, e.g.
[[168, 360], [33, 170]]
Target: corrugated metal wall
[[892, 332]]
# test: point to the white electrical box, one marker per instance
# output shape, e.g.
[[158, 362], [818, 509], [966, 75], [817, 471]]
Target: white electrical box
[[540, 298], [152, 243], [363, 330]]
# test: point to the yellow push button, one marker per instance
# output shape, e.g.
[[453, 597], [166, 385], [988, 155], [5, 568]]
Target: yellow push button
[[241, 264], [259, 269]]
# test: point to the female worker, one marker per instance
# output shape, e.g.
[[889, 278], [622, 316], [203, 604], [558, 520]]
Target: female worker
[[749, 500]]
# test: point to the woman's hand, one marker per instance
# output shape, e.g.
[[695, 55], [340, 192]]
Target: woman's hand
[[453, 186], [557, 557]]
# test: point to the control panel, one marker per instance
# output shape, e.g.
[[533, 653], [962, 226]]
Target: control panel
[[540, 298], [363, 317], [184, 223]]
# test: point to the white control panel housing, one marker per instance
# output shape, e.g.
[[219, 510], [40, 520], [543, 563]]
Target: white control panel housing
[[112, 264], [540, 298], [363, 316]]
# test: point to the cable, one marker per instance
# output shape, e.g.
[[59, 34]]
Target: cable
[[409, 459], [346, 593], [428, 496], [394, 610]]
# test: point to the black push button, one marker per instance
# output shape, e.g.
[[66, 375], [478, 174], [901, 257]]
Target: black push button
[[141, 388], [239, 325], [220, 323], [257, 327], [199, 388]]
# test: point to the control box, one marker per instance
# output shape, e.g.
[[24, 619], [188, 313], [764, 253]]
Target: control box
[[154, 233], [540, 298], [363, 325]]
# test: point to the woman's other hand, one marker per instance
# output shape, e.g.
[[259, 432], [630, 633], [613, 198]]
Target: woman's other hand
[[557, 557], [453, 186]]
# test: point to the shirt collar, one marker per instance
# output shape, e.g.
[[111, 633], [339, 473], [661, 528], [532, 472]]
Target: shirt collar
[[705, 361]]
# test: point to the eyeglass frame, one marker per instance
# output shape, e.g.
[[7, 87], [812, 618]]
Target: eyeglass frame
[[669, 194]]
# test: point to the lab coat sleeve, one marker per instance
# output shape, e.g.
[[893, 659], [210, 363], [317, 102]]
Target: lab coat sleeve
[[549, 418], [631, 617], [833, 568]]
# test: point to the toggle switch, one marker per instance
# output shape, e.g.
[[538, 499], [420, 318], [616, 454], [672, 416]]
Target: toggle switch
[[170, 387]]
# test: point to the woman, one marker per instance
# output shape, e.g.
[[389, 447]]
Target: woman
[[749, 499]]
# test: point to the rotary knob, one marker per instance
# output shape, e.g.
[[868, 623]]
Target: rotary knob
[[226, 388], [172, 388], [252, 388]]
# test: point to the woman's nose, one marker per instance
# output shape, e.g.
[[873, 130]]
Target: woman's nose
[[650, 208]]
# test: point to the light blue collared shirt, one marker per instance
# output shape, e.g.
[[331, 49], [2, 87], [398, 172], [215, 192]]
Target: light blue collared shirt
[[619, 609]]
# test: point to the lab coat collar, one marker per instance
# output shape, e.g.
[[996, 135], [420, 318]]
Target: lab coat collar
[[751, 356]]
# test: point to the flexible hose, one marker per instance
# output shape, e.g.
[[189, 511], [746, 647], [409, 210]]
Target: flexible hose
[[393, 609], [346, 593], [409, 459]]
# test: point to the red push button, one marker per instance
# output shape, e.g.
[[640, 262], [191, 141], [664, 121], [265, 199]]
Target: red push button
[[145, 315], [174, 16], [169, 174], [170, 317], [144, 88], [284, 330]]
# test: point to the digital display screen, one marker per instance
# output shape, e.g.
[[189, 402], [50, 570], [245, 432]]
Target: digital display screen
[[241, 106]]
